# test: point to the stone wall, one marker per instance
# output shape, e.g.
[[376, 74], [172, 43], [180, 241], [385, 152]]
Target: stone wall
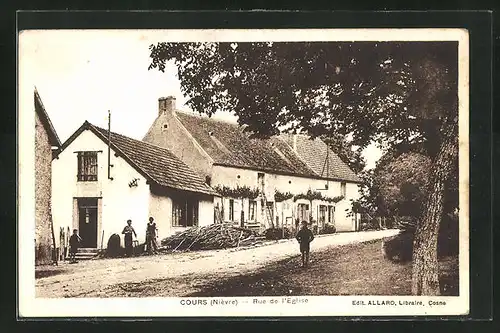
[[43, 216]]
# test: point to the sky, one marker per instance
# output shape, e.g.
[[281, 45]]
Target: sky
[[80, 75]]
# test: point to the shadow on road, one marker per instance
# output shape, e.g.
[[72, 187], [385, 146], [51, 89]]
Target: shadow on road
[[357, 269]]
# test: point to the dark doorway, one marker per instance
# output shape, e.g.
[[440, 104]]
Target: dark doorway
[[87, 222]]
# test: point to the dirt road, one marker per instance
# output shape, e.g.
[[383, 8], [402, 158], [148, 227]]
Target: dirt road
[[96, 278]]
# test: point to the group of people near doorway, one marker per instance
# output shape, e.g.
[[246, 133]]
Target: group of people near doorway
[[128, 232], [304, 238], [151, 234]]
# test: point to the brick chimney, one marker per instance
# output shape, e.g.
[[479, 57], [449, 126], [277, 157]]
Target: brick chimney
[[166, 105]]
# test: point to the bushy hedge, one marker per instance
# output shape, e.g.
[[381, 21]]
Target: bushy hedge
[[277, 233], [328, 229], [399, 248]]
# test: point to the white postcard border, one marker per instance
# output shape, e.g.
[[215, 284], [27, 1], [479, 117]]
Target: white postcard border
[[29, 306]]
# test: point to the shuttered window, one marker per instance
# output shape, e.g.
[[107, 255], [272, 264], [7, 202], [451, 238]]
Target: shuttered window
[[252, 207], [231, 210], [322, 214], [87, 166], [331, 216]]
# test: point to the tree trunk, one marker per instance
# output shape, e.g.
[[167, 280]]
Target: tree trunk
[[425, 275]]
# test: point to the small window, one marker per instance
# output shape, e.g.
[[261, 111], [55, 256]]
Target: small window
[[231, 210], [208, 180], [87, 166], [238, 176], [184, 213], [289, 182], [343, 189], [165, 126]]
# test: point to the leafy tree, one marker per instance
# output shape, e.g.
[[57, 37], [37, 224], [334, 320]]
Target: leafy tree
[[400, 94], [401, 184]]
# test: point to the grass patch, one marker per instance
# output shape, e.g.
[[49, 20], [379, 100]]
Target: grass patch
[[358, 269]]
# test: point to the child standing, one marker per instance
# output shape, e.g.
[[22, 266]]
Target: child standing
[[74, 244], [304, 237]]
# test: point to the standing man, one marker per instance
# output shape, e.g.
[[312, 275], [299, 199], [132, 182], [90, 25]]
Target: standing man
[[128, 231], [304, 237], [151, 231]]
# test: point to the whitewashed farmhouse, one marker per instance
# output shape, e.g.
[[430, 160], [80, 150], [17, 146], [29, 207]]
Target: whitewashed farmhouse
[[262, 182], [143, 180]]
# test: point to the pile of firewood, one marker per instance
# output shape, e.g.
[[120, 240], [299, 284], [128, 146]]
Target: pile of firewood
[[211, 237]]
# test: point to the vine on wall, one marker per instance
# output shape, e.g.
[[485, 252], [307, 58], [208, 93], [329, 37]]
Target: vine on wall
[[247, 192], [315, 195], [238, 192], [280, 196]]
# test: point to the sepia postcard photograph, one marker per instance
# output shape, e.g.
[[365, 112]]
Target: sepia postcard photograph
[[255, 173]]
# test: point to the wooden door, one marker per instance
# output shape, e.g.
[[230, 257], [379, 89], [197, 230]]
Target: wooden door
[[87, 222]]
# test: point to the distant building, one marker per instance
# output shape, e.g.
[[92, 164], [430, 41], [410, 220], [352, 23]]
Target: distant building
[[145, 180], [238, 166], [46, 141]]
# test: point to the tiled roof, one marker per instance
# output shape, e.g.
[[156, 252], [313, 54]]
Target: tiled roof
[[314, 153], [156, 164], [227, 144], [163, 167]]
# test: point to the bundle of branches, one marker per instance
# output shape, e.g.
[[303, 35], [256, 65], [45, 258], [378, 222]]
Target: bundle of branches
[[211, 237]]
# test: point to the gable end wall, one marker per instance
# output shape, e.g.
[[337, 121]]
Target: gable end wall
[[176, 139]]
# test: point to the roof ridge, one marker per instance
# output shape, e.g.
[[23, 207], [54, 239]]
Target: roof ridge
[[209, 118], [332, 154], [144, 142], [97, 128], [118, 149], [297, 154]]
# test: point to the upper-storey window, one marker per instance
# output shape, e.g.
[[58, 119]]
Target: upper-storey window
[[87, 166]]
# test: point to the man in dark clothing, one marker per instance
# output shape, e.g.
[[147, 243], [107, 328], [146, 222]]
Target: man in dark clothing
[[128, 231], [74, 244], [151, 231], [304, 237]]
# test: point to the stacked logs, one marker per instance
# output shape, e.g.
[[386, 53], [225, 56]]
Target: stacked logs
[[211, 237]]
